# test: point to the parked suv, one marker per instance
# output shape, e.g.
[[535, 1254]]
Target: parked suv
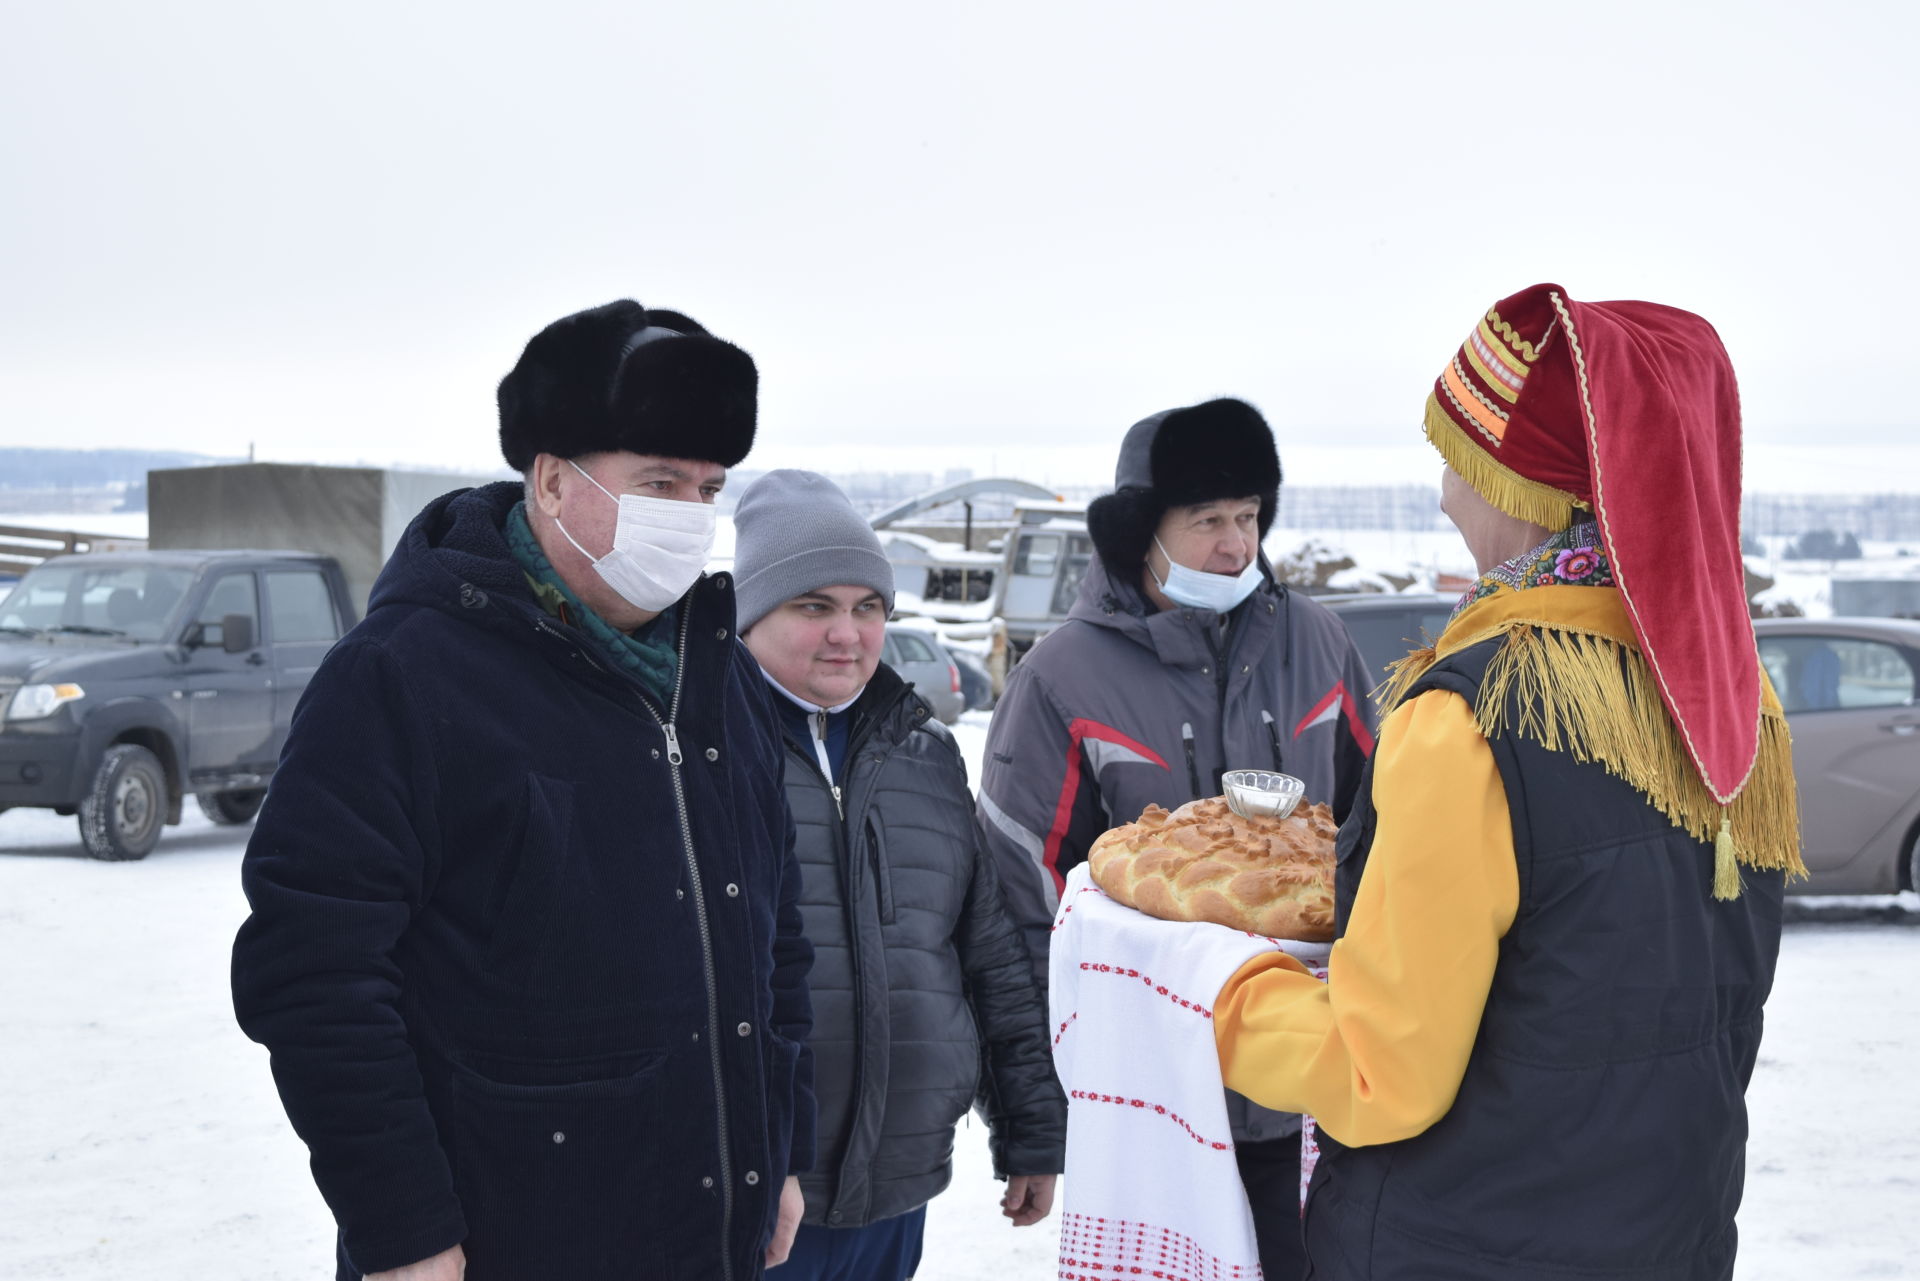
[[130, 679]]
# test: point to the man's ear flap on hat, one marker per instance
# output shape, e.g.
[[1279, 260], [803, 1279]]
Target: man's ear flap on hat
[[1121, 525]]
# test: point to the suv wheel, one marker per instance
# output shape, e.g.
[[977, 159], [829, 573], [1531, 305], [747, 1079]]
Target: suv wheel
[[230, 809], [123, 812]]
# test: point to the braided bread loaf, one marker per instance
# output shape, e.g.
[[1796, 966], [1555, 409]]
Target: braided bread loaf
[[1203, 862]]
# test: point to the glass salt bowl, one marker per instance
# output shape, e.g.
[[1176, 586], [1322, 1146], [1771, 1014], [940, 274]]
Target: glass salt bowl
[[1259, 793]]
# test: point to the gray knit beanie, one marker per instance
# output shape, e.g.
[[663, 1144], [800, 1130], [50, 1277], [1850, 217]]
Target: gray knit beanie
[[795, 532]]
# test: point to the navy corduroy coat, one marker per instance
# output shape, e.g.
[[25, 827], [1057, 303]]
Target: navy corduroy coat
[[531, 967]]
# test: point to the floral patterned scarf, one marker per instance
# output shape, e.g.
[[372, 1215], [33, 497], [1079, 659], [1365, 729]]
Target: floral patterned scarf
[[1571, 558]]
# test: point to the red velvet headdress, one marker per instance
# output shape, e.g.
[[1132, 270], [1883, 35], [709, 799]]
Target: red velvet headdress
[[1629, 410]]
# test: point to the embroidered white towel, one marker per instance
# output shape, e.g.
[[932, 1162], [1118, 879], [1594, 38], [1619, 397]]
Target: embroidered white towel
[[1151, 1187]]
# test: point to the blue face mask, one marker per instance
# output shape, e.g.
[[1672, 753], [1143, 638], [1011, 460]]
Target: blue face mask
[[1195, 589]]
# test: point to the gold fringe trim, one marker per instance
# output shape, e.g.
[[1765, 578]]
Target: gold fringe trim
[[1401, 675], [1596, 699], [1726, 868], [1512, 493]]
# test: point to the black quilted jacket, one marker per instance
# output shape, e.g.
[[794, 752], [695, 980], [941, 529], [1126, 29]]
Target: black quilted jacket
[[924, 999]]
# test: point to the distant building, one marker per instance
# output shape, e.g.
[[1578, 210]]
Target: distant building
[[1876, 597], [1410, 508], [1887, 518]]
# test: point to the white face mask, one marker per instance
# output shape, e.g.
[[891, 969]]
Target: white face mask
[[1195, 589], [660, 547]]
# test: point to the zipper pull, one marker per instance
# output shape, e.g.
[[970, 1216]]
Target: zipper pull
[[673, 743], [1273, 737], [837, 806], [825, 758], [1193, 767]]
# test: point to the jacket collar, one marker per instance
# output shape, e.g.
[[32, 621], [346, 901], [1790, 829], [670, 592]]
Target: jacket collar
[[887, 708], [454, 557], [807, 705]]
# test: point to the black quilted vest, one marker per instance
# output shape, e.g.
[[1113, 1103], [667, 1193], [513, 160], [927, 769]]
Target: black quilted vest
[[1600, 1130]]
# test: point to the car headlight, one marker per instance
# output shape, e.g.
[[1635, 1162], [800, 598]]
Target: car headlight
[[32, 702]]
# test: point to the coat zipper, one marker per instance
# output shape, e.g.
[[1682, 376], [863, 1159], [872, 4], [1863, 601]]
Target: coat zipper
[[1273, 736], [675, 757], [844, 853], [826, 762], [1193, 769], [1223, 673]]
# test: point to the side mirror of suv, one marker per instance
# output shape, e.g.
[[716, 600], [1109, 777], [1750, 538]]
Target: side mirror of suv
[[236, 633]]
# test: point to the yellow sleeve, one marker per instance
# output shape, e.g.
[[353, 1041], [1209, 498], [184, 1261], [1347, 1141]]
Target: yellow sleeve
[[1376, 1053]]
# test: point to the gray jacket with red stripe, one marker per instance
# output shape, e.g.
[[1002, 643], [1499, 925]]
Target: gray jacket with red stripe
[[1119, 708]]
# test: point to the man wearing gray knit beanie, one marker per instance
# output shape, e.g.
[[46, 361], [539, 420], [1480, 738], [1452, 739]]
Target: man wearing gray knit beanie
[[914, 949], [796, 533]]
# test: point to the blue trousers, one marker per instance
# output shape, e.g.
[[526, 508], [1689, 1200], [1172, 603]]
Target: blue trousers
[[885, 1251]]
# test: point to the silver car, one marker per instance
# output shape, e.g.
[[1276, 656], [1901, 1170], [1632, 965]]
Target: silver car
[[1848, 686], [921, 661]]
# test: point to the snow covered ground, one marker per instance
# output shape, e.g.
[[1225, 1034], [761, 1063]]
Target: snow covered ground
[[140, 1136], [1808, 584]]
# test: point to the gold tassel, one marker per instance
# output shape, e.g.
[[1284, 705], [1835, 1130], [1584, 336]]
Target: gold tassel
[[1596, 699], [1493, 480], [1401, 674], [1726, 872]]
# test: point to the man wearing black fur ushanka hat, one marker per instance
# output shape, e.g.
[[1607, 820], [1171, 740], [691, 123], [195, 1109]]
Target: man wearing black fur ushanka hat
[[1181, 659], [526, 943]]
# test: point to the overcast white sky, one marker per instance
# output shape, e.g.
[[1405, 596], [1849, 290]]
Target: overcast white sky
[[985, 234]]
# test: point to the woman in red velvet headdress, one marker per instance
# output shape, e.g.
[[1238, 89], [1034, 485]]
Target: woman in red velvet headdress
[[1559, 900]]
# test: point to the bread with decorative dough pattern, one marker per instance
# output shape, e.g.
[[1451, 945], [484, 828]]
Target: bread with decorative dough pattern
[[1203, 862]]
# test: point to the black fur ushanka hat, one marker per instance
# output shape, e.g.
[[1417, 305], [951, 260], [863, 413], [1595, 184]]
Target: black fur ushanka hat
[[1178, 457], [621, 377]]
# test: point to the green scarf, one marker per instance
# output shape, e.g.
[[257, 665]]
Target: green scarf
[[647, 654]]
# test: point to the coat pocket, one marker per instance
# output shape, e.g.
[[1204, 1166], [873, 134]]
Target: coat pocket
[[564, 1179], [539, 866], [881, 867]]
